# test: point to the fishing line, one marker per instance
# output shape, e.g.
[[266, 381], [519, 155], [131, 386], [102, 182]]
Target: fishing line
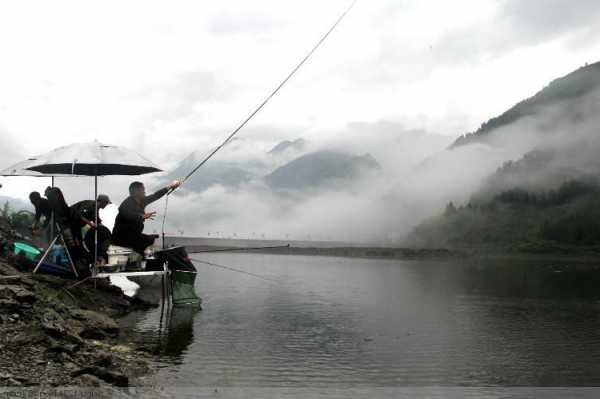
[[265, 101], [236, 270]]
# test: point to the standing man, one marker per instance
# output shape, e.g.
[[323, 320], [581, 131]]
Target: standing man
[[129, 225]]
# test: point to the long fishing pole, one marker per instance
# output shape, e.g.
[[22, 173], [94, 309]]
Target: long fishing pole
[[272, 94], [253, 113]]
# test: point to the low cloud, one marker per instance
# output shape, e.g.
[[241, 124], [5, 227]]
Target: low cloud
[[227, 23], [181, 96], [515, 25], [418, 177], [365, 209]]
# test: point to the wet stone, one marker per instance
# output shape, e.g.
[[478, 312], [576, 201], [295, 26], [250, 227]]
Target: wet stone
[[9, 305], [104, 360], [11, 382], [111, 377], [17, 293], [29, 338], [96, 325], [53, 323], [60, 347], [74, 339], [86, 380]]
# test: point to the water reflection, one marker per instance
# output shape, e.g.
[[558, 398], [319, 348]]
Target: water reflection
[[518, 278], [178, 333], [166, 332], [339, 322]]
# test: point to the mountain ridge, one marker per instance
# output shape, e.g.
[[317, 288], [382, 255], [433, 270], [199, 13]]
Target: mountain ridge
[[320, 168], [568, 87]]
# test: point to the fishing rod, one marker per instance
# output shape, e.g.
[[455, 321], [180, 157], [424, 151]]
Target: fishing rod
[[272, 94], [253, 113]]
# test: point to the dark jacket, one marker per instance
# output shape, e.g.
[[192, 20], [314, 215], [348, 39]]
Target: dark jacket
[[42, 208], [86, 209], [56, 200], [129, 223]]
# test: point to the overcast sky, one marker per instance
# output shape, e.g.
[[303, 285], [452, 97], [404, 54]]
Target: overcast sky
[[172, 77]]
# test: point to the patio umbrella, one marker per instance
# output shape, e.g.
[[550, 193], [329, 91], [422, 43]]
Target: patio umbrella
[[19, 169], [92, 159]]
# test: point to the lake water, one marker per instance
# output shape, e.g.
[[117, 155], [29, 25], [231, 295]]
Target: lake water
[[339, 322]]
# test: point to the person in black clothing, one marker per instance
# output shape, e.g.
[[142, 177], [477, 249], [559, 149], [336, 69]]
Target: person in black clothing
[[69, 228], [42, 208], [63, 216], [129, 224], [84, 214]]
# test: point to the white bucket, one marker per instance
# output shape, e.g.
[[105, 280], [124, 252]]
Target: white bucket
[[118, 255]]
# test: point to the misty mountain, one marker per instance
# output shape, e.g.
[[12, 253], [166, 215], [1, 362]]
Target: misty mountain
[[320, 169], [287, 145], [219, 174], [248, 165], [544, 169], [227, 174], [546, 199], [560, 92], [557, 220]]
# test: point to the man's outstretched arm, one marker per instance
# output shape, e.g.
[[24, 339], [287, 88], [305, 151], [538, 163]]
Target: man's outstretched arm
[[160, 193]]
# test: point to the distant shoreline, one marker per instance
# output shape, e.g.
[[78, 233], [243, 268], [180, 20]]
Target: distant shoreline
[[197, 245], [357, 250], [344, 252]]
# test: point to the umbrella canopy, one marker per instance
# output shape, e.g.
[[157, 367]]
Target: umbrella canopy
[[20, 169], [92, 159]]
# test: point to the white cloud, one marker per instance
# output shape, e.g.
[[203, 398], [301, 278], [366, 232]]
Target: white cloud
[[74, 71]]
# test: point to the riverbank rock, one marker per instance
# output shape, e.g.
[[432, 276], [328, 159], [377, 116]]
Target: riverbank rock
[[104, 374], [55, 334], [19, 294], [95, 325], [86, 380]]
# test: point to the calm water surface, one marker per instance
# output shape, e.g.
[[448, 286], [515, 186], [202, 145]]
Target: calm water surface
[[322, 321]]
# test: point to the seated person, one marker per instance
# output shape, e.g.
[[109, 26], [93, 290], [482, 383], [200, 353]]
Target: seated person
[[104, 241], [84, 214], [129, 224]]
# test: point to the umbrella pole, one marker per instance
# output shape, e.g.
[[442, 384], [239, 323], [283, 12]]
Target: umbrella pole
[[96, 221], [52, 216]]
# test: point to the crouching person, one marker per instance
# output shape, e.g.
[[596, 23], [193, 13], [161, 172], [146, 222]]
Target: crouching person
[[129, 224]]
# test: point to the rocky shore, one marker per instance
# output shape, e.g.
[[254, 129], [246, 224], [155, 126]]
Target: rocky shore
[[54, 333]]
